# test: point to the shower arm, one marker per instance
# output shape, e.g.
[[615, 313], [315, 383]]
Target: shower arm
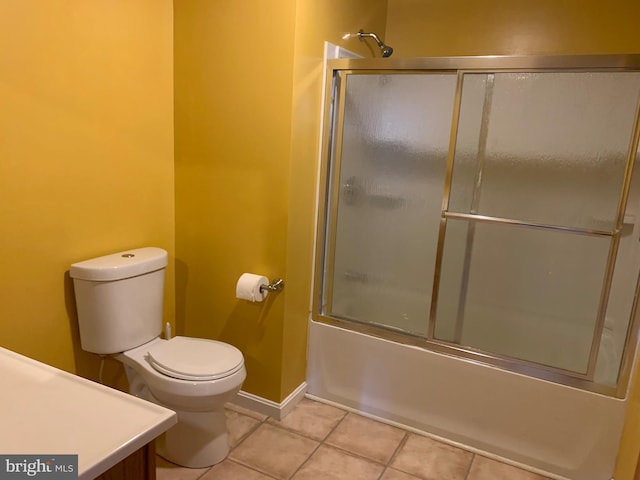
[[385, 49], [362, 35]]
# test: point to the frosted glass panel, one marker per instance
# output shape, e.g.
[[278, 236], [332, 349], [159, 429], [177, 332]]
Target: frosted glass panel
[[530, 294], [389, 192], [553, 146]]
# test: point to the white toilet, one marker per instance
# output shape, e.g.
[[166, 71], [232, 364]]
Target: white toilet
[[119, 299]]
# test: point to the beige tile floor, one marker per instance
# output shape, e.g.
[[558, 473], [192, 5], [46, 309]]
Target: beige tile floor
[[321, 442]]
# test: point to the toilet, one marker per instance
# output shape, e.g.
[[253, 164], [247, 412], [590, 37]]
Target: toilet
[[119, 298]]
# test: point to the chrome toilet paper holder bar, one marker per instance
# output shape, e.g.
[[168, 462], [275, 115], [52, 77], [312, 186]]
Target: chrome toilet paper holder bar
[[276, 286]]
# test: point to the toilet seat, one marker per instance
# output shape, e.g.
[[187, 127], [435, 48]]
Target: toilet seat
[[194, 359]]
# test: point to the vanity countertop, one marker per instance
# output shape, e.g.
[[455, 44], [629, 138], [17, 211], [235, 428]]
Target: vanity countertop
[[45, 411]]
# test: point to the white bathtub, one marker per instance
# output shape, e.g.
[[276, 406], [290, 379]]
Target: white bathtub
[[553, 429]]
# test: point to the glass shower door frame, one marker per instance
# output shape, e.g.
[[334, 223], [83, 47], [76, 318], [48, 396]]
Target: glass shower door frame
[[337, 72], [332, 189], [473, 218]]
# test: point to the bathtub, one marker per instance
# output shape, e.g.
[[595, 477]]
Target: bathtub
[[558, 431]]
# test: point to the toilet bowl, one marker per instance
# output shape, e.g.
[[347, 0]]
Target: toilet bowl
[[119, 300], [195, 378]]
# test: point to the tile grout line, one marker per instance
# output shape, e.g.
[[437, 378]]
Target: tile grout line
[[401, 444], [335, 426], [320, 443], [353, 454], [250, 468], [349, 452], [473, 459], [304, 435], [249, 433], [242, 440], [384, 469], [306, 460], [205, 472]]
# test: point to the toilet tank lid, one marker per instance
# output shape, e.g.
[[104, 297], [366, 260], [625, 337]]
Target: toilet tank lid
[[121, 265]]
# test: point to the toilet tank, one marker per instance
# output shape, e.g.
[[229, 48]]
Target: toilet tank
[[119, 299]]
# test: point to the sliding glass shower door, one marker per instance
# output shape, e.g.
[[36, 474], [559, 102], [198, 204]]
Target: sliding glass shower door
[[483, 213], [390, 157], [538, 175]]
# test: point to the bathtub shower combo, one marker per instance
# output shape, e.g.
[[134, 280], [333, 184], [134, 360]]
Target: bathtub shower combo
[[478, 251]]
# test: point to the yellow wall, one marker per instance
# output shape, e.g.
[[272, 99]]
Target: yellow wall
[[485, 27], [512, 27], [233, 84], [246, 151], [86, 156]]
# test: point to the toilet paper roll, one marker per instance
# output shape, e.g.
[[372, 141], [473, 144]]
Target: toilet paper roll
[[248, 287]]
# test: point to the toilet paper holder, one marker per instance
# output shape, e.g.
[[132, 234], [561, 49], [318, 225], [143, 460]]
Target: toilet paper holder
[[276, 286]]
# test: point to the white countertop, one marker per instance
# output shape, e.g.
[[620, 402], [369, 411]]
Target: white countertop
[[44, 410]]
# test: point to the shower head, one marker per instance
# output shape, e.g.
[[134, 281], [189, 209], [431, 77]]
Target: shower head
[[385, 49]]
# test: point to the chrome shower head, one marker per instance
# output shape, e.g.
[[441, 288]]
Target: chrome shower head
[[385, 49]]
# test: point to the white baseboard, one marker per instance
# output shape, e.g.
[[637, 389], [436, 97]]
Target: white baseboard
[[269, 407]]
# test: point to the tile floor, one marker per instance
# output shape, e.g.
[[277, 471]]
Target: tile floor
[[321, 442]]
